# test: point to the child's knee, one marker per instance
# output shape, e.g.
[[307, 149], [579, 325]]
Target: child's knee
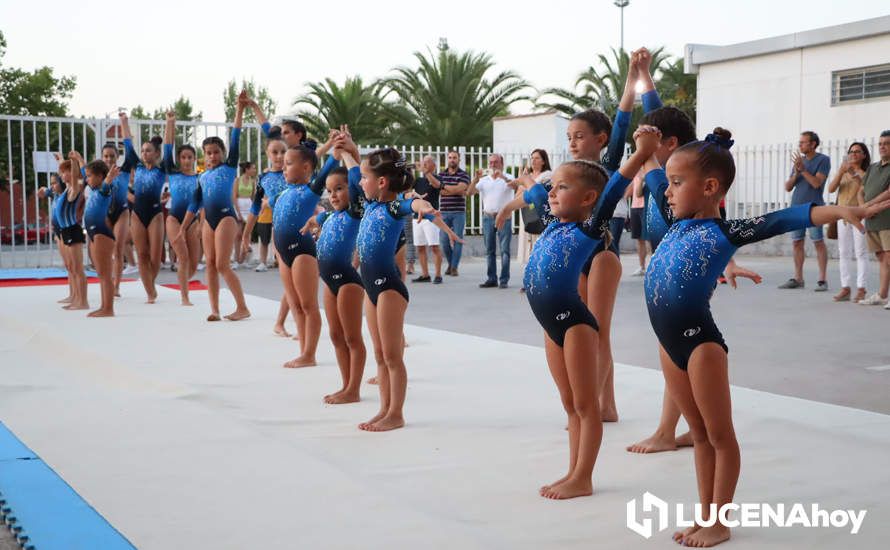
[[353, 340], [222, 264], [722, 439], [337, 338]]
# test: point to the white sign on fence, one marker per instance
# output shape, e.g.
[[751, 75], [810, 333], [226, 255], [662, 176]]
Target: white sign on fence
[[45, 162]]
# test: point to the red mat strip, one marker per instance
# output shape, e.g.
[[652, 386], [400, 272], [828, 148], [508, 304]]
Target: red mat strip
[[193, 285], [49, 282]]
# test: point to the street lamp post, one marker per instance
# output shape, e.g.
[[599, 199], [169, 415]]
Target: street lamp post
[[622, 4]]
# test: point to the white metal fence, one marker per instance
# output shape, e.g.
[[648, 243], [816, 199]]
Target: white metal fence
[[24, 220]]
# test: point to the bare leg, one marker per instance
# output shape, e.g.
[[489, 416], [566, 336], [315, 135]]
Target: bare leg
[[156, 244], [79, 299], [579, 360], [382, 374], [798, 259], [283, 309], [121, 236], [193, 240], [211, 275], [349, 308], [821, 259], [103, 249], [223, 237], [335, 331], [602, 288], [437, 259], [421, 259], [182, 255], [64, 253], [290, 293], [143, 256], [391, 308], [305, 277]]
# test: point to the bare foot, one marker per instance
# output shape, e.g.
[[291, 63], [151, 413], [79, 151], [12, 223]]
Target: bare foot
[[152, 298], [372, 380], [238, 314], [101, 313], [300, 362], [680, 535], [67, 300], [279, 330], [330, 395], [186, 302], [296, 337], [569, 489], [72, 307], [656, 443], [117, 293], [609, 414], [386, 424], [554, 484], [708, 536], [366, 425], [685, 440], [213, 317], [340, 398]]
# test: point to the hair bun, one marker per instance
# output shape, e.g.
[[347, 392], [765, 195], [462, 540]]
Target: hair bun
[[157, 141], [310, 144], [720, 137]]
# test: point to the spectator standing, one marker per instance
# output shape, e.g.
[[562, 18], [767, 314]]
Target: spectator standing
[[426, 235], [850, 241], [806, 185], [496, 189], [876, 188], [453, 183]]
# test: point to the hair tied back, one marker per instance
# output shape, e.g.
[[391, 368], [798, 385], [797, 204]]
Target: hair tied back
[[719, 141]]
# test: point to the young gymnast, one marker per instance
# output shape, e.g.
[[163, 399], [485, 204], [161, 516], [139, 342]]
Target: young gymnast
[[343, 294], [214, 194], [551, 283], [70, 216], [298, 267], [99, 229], [676, 130], [183, 183], [384, 174], [148, 226], [681, 278], [62, 213]]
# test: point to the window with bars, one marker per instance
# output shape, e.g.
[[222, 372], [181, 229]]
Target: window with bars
[[860, 84]]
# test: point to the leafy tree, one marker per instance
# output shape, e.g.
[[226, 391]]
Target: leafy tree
[[259, 93], [447, 99], [328, 105]]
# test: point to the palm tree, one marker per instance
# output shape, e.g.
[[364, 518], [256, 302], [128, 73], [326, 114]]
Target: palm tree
[[447, 100], [598, 88], [677, 88], [354, 103]]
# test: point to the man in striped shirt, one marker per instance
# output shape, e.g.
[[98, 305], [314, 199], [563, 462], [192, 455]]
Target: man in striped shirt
[[453, 184]]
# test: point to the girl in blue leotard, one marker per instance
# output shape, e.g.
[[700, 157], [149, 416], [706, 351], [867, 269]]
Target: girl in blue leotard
[[119, 211], [343, 293], [183, 182], [214, 194], [148, 225], [384, 175], [58, 192], [679, 283], [581, 201], [98, 226]]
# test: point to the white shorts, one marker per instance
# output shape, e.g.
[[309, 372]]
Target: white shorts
[[425, 233], [244, 205]]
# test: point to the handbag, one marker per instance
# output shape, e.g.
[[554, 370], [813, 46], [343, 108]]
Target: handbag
[[531, 220]]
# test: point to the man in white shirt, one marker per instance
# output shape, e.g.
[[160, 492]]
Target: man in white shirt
[[496, 189]]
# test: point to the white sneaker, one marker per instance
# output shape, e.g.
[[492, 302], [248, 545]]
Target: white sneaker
[[639, 272], [201, 267], [887, 305], [873, 300], [261, 267], [235, 266], [130, 269]]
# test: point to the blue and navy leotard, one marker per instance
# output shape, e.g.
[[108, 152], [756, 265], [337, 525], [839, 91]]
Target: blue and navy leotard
[[120, 188], [683, 271], [270, 184], [67, 210], [339, 231], [291, 209], [556, 261], [378, 238], [96, 213], [182, 186], [147, 183], [214, 190], [55, 210]]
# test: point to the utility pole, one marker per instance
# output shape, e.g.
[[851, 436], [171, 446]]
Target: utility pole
[[621, 4]]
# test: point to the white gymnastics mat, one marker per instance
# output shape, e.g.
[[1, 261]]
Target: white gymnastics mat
[[188, 434]]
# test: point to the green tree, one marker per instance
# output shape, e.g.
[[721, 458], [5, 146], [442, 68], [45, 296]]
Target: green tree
[[259, 93], [328, 105], [447, 99], [677, 88], [38, 92]]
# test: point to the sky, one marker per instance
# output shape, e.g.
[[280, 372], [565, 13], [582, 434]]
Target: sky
[[149, 53]]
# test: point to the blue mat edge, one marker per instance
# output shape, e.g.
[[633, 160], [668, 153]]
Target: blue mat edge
[[18, 273], [105, 532]]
